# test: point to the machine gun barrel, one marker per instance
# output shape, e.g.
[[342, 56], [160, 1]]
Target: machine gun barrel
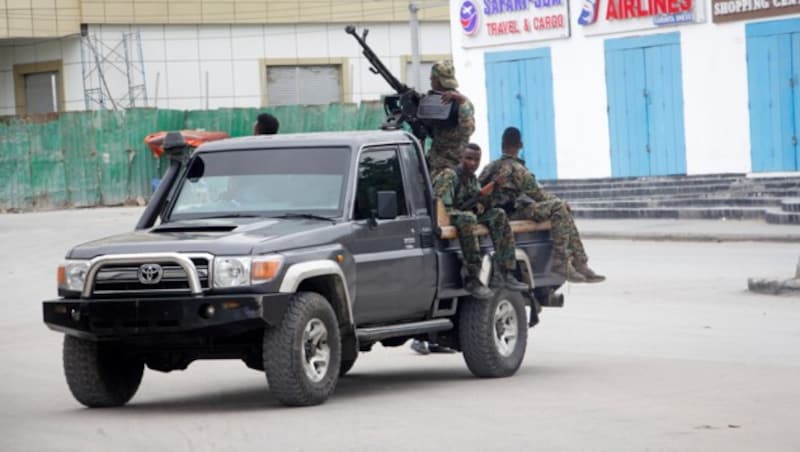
[[377, 65]]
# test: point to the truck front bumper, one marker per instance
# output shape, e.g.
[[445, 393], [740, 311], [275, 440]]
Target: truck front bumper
[[116, 318]]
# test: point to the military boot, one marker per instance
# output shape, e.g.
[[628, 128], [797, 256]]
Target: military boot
[[500, 280], [588, 273], [511, 282], [476, 288], [568, 272], [473, 284]]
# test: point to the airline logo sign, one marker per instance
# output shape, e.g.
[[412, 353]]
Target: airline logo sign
[[495, 22], [615, 16]]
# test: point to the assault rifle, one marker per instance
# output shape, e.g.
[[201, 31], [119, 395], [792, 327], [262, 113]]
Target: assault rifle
[[408, 106], [485, 191], [472, 202]]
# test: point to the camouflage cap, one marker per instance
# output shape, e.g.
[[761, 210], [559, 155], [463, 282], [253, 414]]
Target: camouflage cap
[[446, 73]]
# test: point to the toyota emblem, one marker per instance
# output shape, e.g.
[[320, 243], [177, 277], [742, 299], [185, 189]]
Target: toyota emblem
[[150, 274]]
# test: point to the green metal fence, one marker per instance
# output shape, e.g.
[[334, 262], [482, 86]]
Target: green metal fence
[[95, 158]]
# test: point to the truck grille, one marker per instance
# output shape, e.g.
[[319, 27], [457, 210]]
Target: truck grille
[[115, 279]]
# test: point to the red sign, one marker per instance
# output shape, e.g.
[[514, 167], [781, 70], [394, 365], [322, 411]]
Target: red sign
[[632, 9]]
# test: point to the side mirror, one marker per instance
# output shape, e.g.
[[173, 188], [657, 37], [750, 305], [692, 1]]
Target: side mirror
[[387, 205]]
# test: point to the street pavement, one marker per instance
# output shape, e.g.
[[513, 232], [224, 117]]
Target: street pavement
[[671, 353], [690, 230]]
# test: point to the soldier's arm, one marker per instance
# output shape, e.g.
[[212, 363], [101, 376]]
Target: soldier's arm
[[466, 117]]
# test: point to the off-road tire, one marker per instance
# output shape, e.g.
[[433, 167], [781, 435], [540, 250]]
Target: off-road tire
[[283, 352], [100, 374], [477, 330]]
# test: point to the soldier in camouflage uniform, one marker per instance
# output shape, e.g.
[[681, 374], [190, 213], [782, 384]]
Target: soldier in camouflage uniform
[[521, 195], [455, 187], [447, 142]]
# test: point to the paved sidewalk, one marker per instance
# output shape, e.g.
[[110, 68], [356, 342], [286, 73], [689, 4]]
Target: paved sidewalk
[[689, 230]]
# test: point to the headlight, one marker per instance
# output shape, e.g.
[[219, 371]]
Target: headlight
[[231, 271], [72, 275], [234, 271]]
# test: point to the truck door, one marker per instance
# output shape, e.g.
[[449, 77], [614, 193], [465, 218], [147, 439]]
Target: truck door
[[392, 279]]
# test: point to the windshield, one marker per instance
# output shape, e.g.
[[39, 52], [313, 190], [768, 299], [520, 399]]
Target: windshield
[[274, 182]]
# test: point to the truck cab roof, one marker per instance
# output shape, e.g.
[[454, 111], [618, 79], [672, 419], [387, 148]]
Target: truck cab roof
[[316, 139]]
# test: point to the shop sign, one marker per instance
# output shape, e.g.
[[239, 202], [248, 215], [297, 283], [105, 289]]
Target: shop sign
[[494, 22], [616, 16], [730, 10]]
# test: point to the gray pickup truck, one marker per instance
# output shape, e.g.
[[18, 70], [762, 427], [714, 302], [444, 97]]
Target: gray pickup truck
[[292, 253]]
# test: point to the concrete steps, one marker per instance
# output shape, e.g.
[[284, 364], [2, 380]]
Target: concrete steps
[[716, 196], [789, 212], [684, 213]]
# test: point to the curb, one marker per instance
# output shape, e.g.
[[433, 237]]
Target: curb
[[678, 237], [774, 287]]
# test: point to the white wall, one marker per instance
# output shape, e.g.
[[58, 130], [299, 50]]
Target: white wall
[[717, 129], [179, 56]]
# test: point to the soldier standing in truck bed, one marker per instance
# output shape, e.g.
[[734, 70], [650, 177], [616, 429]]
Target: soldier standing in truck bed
[[447, 142]]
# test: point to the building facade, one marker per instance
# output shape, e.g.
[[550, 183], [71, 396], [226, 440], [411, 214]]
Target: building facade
[[618, 88], [63, 55]]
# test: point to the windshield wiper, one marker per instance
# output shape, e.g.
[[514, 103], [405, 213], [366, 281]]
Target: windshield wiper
[[305, 215]]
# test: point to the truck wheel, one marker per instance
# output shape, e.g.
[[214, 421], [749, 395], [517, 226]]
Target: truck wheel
[[493, 334], [346, 365], [302, 355], [100, 374]]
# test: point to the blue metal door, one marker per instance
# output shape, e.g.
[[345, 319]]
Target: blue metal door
[[773, 68], [645, 105], [519, 88]]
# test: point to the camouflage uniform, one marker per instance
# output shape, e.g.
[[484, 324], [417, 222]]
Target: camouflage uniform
[[519, 181], [447, 142], [454, 187]]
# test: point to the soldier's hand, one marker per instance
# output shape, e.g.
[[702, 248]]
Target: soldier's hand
[[452, 96], [479, 209]]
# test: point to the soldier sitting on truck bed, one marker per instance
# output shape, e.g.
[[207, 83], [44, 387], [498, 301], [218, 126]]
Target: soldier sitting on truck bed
[[525, 200], [458, 188]]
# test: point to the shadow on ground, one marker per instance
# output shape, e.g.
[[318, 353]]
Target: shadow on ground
[[352, 387]]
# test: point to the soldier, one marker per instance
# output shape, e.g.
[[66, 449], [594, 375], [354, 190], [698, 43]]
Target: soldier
[[266, 124], [521, 195], [447, 142], [455, 187]]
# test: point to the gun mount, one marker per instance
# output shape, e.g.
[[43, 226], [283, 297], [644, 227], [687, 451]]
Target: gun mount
[[404, 106]]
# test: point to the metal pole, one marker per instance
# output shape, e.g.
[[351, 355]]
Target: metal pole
[[158, 77], [413, 8]]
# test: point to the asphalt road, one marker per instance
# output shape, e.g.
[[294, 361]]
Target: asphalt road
[[671, 353]]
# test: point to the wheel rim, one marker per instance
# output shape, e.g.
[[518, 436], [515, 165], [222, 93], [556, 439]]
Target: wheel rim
[[505, 328], [316, 352]]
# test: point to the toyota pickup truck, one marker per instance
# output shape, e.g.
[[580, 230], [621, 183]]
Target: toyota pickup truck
[[293, 253]]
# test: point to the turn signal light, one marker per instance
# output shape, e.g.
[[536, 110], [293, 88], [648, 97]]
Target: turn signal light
[[265, 270], [61, 276]]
